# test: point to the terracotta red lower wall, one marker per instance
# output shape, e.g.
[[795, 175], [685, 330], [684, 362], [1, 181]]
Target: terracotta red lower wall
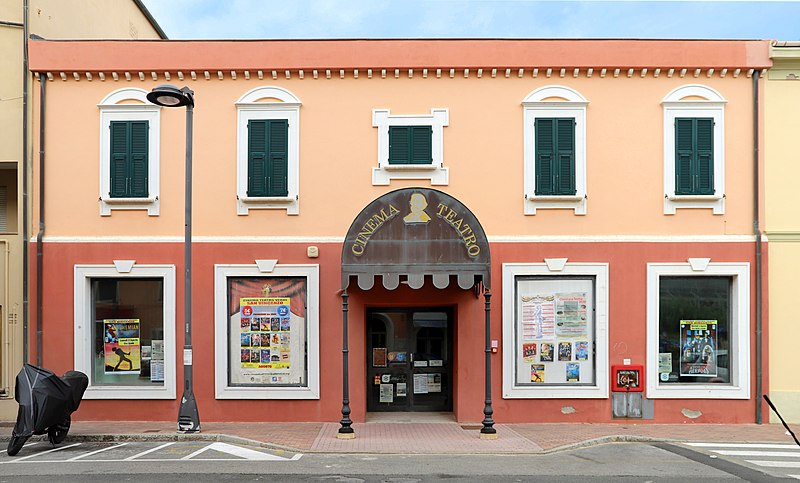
[[627, 329]]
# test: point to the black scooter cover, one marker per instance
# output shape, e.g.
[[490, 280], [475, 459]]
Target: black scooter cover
[[46, 399]]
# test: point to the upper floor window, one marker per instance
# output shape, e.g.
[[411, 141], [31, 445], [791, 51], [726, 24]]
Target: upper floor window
[[410, 146], [268, 160], [555, 149], [129, 152], [694, 162]]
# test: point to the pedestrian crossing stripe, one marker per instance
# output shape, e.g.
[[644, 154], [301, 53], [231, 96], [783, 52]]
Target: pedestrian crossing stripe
[[789, 454], [793, 447], [775, 464]]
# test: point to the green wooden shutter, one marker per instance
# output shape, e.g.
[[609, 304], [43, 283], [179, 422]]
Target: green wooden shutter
[[694, 156], [120, 149], [256, 158], [705, 156], [278, 163], [545, 152], [129, 159], [684, 152], [565, 160], [139, 163], [421, 144], [399, 144]]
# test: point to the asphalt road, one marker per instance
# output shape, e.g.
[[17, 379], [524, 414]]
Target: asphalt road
[[203, 461]]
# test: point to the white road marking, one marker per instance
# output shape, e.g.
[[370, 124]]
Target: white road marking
[[39, 454], [746, 445], [789, 454], [794, 476], [148, 451], [239, 451], [776, 464], [95, 452]]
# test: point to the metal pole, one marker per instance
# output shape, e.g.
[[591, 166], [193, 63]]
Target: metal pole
[[488, 431], [345, 431], [759, 275], [188, 417]]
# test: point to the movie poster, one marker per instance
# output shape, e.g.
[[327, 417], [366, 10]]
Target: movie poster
[[565, 351], [546, 352], [573, 372], [121, 346], [265, 332], [529, 352], [537, 372], [582, 351], [698, 348]]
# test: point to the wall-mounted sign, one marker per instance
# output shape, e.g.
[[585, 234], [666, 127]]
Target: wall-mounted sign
[[627, 378]]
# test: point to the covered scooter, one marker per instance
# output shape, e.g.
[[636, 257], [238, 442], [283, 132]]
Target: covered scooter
[[46, 402]]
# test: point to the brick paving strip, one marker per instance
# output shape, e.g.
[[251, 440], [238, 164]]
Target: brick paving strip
[[423, 437]]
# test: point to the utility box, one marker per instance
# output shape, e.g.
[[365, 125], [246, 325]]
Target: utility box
[[627, 384]]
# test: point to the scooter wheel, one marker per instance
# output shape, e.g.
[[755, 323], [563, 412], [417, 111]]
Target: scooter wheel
[[15, 444], [58, 433]]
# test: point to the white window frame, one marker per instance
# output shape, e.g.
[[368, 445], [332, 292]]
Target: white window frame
[[558, 102], [117, 106], [265, 268], [556, 268], [268, 102], [694, 100], [738, 332], [435, 172], [84, 342]]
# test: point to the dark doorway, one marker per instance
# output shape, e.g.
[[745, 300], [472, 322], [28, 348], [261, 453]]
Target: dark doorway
[[410, 354]]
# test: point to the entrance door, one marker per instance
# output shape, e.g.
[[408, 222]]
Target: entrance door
[[410, 355]]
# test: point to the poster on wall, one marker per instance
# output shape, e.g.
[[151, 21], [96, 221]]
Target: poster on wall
[[582, 351], [571, 320], [529, 352], [537, 372], [698, 348], [420, 384], [565, 351], [387, 393], [538, 316], [379, 357], [573, 372], [121, 346], [266, 333]]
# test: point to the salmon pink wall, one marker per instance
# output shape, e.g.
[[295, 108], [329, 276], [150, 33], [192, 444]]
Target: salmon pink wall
[[627, 329], [483, 149]]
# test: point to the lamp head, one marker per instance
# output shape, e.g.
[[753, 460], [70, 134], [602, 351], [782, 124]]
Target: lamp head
[[167, 95]]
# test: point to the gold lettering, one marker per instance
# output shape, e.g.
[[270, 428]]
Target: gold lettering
[[470, 240], [357, 250], [450, 216], [370, 226], [441, 207], [393, 211], [457, 225], [473, 250]]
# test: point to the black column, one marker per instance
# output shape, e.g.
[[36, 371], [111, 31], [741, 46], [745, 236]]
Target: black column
[[345, 431], [488, 430]]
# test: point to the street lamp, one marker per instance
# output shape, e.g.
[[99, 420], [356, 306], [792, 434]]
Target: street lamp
[[167, 95]]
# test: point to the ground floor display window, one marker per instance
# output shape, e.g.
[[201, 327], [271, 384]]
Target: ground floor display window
[[267, 331], [698, 330], [555, 330], [125, 330]]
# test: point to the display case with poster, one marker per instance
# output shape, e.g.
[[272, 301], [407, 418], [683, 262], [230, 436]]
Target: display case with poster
[[267, 331], [554, 331]]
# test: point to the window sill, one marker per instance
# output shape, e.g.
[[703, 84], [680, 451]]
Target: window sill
[[699, 391], [672, 202], [694, 197], [151, 204], [382, 176], [289, 203], [577, 203], [409, 167], [129, 201]]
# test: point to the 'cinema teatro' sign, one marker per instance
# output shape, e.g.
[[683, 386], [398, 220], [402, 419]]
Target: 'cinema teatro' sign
[[416, 225]]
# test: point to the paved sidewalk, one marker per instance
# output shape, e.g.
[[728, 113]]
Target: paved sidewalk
[[426, 437]]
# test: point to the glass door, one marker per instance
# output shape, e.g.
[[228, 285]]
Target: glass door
[[409, 366]]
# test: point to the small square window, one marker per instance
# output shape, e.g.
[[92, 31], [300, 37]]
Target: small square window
[[410, 144]]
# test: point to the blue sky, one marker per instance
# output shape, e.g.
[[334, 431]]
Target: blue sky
[[305, 19]]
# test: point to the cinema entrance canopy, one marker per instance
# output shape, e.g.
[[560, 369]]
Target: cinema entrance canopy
[[416, 236]]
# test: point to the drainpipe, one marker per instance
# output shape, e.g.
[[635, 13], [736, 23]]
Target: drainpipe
[[40, 235], [25, 247], [757, 229]]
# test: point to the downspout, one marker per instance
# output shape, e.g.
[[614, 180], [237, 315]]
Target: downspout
[[757, 229], [40, 235], [25, 163]]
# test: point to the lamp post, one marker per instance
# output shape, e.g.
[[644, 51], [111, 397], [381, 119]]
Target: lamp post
[[167, 95]]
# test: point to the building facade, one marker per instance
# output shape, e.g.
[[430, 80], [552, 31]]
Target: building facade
[[52, 19], [573, 219], [782, 98]]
